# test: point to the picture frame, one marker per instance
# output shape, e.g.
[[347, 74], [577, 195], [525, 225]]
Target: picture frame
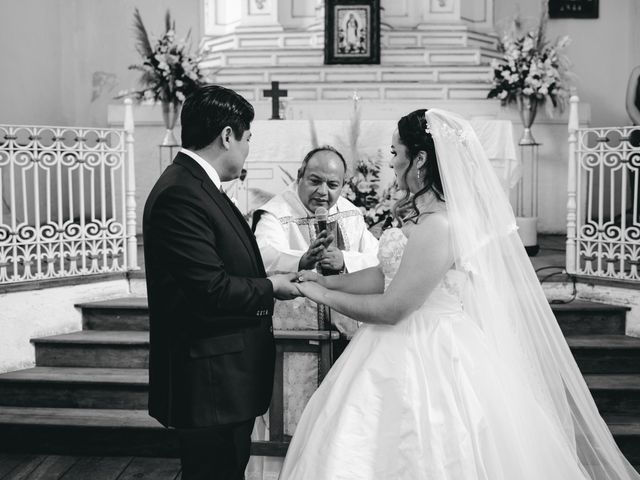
[[573, 8], [352, 32]]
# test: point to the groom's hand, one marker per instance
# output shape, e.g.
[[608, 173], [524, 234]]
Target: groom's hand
[[283, 288]]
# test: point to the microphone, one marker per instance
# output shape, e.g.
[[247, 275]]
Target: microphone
[[321, 219]]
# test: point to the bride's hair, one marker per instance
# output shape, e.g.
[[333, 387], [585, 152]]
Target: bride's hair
[[412, 129]]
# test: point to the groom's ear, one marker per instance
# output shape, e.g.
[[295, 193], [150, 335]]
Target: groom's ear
[[225, 137]]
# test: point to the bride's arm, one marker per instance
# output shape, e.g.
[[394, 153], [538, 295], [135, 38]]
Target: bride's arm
[[427, 257], [369, 280]]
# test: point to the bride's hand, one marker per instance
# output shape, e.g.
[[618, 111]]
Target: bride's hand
[[310, 276], [312, 290]]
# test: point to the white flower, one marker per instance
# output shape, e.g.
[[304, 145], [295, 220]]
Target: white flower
[[180, 96], [527, 45], [502, 95], [527, 91], [543, 90]]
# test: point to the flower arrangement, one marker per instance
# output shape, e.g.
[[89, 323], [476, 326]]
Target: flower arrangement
[[363, 190], [531, 66], [169, 71]]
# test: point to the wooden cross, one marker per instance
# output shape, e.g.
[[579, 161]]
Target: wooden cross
[[275, 93]]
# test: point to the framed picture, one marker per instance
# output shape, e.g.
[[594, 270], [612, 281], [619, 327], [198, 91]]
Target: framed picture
[[573, 8], [352, 32]]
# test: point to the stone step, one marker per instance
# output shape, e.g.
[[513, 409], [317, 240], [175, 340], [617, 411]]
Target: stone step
[[373, 73], [615, 395], [75, 387], [435, 35], [133, 433], [432, 55], [394, 92], [130, 349], [84, 431], [575, 318]]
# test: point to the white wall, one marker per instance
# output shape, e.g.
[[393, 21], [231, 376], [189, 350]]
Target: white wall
[[53, 48], [40, 313]]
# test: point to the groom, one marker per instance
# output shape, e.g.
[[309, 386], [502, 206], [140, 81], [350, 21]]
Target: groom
[[212, 351]]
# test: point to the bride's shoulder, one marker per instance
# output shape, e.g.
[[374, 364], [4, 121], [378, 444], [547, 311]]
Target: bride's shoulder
[[435, 223]]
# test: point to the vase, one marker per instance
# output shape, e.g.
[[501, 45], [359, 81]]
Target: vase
[[528, 106], [170, 112], [528, 232]]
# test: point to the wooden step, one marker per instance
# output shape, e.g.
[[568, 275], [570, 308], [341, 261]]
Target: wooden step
[[83, 431], [589, 318], [626, 431], [133, 433], [125, 349], [66, 387], [130, 349], [126, 313], [606, 353], [575, 318], [615, 395], [94, 348]]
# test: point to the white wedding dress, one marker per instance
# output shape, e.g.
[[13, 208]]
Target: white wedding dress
[[426, 399]]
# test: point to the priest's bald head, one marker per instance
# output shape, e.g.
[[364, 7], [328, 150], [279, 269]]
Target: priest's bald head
[[321, 178]]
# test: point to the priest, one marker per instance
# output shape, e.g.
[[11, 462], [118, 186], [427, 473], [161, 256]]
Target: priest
[[287, 233], [286, 229]]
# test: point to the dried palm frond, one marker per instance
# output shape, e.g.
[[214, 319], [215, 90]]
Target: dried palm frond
[[354, 135], [143, 45], [313, 133]]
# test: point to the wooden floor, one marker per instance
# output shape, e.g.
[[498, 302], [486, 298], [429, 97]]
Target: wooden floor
[[60, 467]]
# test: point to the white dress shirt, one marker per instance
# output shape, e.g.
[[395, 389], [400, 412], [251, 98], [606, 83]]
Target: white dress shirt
[[209, 170]]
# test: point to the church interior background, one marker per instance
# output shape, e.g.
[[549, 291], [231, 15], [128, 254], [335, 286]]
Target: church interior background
[[64, 64]]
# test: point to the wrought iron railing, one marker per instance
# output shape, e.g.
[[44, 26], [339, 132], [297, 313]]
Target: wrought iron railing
[[68, 201], [603, 209]]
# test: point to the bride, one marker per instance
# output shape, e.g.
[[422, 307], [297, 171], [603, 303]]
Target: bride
[[460, 371]]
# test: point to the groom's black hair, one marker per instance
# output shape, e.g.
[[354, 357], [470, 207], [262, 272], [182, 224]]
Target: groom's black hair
[[208, 110]]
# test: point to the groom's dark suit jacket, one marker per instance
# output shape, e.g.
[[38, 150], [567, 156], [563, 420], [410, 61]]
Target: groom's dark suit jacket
[[212, 350]]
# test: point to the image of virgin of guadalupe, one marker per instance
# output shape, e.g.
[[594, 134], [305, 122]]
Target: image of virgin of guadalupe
[[352, 32]]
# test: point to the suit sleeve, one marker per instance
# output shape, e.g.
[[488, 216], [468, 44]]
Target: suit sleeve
[[185, 243]]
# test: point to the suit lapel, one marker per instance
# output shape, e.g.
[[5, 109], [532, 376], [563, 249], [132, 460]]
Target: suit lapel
[[247, 229], [225, 205]]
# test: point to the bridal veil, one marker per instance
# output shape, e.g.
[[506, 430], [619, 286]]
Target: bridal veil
[[506, 299]]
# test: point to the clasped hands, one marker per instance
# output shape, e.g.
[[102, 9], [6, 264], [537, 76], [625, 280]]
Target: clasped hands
[[307, 283]]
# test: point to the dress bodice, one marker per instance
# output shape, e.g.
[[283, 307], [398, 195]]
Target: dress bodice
[[449, 291]]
